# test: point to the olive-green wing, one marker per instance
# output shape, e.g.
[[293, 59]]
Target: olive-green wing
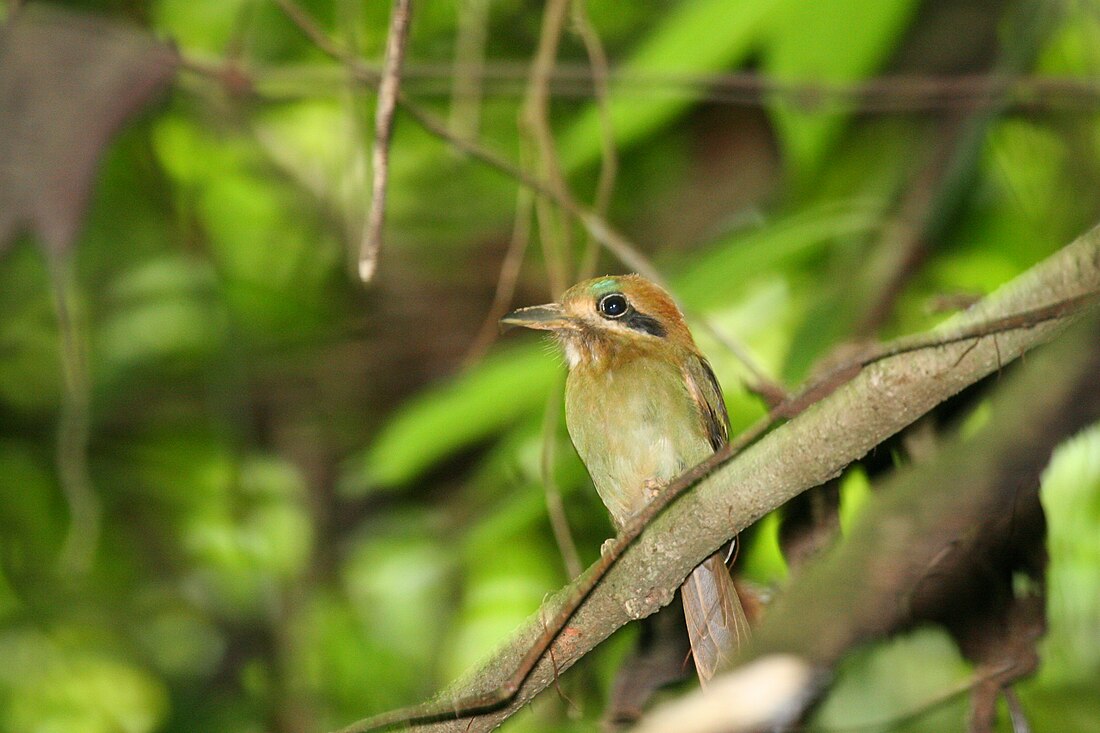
[[704, 390]]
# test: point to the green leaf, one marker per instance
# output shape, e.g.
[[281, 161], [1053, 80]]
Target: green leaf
[[33, 516], [440, 422], [396, 579], [855, 493], [695, 37], [199, 25], [1071, 498], [250, 539], [879, 686], [181, 642], [499, 596], [30, 369], [49, 686], [817, 42], [788, 240], [274, 259], [161, 310]]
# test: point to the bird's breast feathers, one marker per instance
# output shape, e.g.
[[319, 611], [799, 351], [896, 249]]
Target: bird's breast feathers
[[635, 427]]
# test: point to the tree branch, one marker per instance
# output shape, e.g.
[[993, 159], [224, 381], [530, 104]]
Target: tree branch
[[909, 557], [728, 496], [388, 91], [882, 95]]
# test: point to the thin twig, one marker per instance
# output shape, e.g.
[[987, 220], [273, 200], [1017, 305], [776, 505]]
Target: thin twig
[[509, 275], [952, 693], [557, 677], [556, 241], [1016, 712], [506, 691], [305, 23], [614, 241], [467, 72], [534, 120], [355, 189], [609, 158], [555, 508], [596, 225], [770, 390], [388, 91], [888, 94], [940, 187], [74, 426], [840, 375]]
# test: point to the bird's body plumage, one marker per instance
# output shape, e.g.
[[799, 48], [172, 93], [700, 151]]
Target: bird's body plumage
[[642, 405], [623, 436]]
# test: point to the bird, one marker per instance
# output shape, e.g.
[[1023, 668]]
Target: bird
[[642, 405]]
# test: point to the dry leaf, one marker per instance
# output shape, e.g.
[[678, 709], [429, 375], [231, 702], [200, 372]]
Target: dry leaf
[[67, 83]]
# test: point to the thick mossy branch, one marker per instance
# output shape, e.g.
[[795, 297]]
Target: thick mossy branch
[[921, 544], [817, 445]]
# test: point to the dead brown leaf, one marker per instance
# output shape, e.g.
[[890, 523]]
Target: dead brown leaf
[[68, 82]]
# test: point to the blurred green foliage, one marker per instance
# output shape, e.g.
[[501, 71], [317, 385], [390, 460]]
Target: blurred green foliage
[[311, 509]]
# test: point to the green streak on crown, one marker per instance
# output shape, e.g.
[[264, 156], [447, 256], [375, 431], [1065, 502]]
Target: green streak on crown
[[606, 284]]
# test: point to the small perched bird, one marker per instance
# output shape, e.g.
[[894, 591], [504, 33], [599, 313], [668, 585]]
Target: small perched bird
[[642, 405]]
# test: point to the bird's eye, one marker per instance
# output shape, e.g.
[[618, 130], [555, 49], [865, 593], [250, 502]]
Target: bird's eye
[[612, 306]]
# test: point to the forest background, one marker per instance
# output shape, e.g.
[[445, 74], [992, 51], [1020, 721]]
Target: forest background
[[242, 490]]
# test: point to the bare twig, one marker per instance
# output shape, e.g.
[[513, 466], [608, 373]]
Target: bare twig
[[534, 120], [938, 189], [468, 70], [770, 390], [888, 94], [617, 243], [554, 189], [73, 430], [556, 240], [596, 225], [388, 92], [309, 28], [559, 522], [509, 274], [355, 189], [1016, 712], [845, 372], [607, 235], [609, 158]]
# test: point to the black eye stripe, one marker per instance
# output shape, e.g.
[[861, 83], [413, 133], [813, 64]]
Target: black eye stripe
[[645, 324]]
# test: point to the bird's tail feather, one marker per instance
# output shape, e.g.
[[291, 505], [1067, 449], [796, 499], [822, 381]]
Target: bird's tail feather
[[716, 622]]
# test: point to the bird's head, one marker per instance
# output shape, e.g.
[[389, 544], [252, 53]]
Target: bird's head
[[602, 321]]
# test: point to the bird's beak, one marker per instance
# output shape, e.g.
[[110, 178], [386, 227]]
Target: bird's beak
[[549, 317]]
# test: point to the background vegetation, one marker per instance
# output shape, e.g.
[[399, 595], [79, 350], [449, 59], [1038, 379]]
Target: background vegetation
[[242, 491]]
